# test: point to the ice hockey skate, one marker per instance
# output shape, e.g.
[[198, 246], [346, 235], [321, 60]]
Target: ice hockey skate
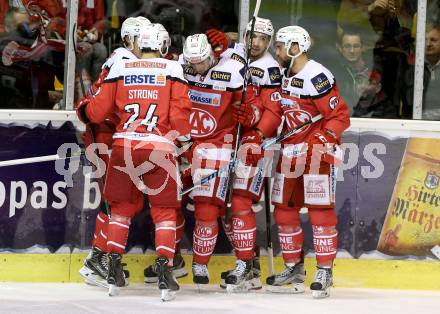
[[239, 279], [178, 269], [167, 283], [115, 276], [95, 268], [254, 283], [200, 275], [291, 280], [323, 281]]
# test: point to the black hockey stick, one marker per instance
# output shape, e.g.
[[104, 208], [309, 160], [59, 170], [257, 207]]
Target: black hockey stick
[[247, 77]]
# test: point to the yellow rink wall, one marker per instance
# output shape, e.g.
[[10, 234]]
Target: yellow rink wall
[[354, 273]]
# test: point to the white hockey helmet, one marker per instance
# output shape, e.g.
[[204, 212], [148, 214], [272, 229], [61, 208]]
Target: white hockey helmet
[[155, 37], [197, 49], [131, 28], [263, 26], [143, 20], [294, 34]]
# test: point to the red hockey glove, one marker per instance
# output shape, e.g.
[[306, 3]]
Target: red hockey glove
[[323, 142], [247, 114], [81, 109], [250, 145], [95, 87], [218, 40]]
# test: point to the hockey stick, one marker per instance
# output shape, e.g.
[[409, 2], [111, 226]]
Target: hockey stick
[[247, 77], [268, 225], [31, 160], [282, 137], [264, 146]]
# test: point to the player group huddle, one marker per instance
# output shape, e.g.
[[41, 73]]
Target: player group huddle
[[216, 110]]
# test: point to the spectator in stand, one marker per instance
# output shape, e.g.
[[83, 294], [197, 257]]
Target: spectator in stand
[[431, 103], [394, 50], [28, 65], [373, 102], [350, 65], [90, 31]]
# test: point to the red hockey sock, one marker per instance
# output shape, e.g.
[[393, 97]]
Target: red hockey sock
[[100, 235], [325, 241], [244, 231], [204, 239], [118, 228], [291, 241], [166, 239]]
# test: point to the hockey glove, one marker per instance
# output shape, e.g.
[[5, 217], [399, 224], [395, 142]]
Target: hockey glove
[[95, 87], [218, 40], [247, 114], [323, 142], [250, 148], [81, 109]]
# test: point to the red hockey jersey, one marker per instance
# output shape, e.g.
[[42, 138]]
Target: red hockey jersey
[[266, 78], [212, 96], [150, 97], [310, 92]]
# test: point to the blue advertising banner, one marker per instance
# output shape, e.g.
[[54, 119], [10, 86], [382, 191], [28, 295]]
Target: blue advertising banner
[[55, 203]]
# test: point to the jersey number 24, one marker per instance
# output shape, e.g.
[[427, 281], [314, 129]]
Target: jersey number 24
[[150, 119]]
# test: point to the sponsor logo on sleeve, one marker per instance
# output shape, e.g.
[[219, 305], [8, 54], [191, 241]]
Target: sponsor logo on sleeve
[[274, 75], [256, 72], [321, 83], [275, 96], [333, 102], [145, 79], [202, 98], [297, 82], [221, 76], [238, 58]]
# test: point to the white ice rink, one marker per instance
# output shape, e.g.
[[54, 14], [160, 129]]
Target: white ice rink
[[79, 298]]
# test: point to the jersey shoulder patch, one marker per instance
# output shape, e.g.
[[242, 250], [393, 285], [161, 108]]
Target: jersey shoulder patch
[[237, 57], [255, 71], [274, 75], [321, 83]]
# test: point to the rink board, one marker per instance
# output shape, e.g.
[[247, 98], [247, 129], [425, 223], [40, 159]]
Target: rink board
[[348, 273]]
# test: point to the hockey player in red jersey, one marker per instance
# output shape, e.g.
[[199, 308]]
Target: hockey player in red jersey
[[215, 93], [266, 81], [94, 270], [150, 95], [306, 172]]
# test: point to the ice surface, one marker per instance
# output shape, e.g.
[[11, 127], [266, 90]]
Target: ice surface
[[80, 298]]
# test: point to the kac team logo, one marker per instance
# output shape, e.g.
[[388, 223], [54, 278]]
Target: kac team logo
[[203, 123], [295, 118]]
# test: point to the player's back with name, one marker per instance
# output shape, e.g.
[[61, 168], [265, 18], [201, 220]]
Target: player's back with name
[[143, 93]]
